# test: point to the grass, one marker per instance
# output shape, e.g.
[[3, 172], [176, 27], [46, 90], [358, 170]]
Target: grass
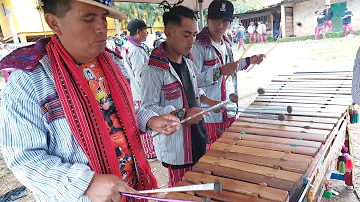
[[334, 47], [303, 38]]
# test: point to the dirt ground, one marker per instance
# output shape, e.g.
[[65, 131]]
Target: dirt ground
[[323, 55]]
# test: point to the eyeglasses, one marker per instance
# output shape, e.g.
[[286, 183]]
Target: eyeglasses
[[219, 22]]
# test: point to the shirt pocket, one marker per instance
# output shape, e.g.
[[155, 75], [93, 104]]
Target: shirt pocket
[[51, 108], [172, 91], [209, 63]]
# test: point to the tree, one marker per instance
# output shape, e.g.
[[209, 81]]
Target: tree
[[242, 6], [148, 12]]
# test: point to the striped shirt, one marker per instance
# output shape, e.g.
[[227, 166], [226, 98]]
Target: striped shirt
[[36, 140], [355, 91], [134, 58]]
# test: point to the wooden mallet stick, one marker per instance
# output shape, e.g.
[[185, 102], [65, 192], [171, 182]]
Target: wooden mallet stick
[[242, 56], [217, 187], [232, 98], [272, 48]]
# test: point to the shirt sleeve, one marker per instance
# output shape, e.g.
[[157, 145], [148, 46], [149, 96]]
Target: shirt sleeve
[[138, 59], [355, 91], [152, 82], [243, 64], [143, 116], [24, 141], [204, 78]]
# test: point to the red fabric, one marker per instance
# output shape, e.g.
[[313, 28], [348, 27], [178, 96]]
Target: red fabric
[[317, 32], [328, 24], [85, 118], [6, 73], [241, 44], [348, 26], [214, 130], [148, 146], [252, 36], [175, 175]]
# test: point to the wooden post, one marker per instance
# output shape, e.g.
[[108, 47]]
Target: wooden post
[[272, 24], [283, 21]]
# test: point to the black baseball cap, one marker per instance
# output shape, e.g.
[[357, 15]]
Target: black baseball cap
[[136, 24], [221, 9]]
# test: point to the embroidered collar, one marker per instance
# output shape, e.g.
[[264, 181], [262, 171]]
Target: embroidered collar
[[158, 57], [204, 38], [27, 58], [134, 41]]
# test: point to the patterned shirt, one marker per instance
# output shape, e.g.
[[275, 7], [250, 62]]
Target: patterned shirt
[[100, 88], [36, 140]]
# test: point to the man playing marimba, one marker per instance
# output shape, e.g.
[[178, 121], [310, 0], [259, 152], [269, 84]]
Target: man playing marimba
[[169, 86], [213, 59], [355, 91]]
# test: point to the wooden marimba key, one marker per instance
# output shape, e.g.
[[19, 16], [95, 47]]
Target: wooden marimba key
[[260, 158]]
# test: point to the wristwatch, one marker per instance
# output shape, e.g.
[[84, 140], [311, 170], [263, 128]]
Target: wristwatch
[[181, 113]]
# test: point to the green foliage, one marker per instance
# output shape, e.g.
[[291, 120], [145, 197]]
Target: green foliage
[[242, 6], [148, 12]]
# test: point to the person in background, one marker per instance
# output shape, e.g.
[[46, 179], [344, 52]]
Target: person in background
[[259, 32], [123, 39], [276, 28], [110, 44], [347, 22], [158, 39], [117, 40], [240, 35], [320, 25], [328, 13], [135, 56], [251, 30], [263, 34]]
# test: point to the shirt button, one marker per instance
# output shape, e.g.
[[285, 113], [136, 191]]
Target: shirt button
[[197, 98], [194, 77]]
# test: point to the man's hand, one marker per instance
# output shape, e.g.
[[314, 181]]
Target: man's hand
[[257, 59], [192, 111], [107, 188], [166, 124], [229, 69]]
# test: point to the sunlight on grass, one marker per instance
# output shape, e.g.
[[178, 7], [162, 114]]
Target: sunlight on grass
[[322, 50]]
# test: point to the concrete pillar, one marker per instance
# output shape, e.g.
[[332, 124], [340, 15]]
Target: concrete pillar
[[283, 21], [117, 26], [12, 25], [272, 24], [200, 2], [23, 38]]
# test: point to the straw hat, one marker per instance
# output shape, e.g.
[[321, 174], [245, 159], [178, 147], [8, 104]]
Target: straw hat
[[106, 4]]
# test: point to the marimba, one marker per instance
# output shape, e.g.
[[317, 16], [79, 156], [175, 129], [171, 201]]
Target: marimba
[[260, 158]]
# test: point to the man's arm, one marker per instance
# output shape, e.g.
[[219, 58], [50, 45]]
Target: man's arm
[[204, 78], [355, 91], [152, 79], [25, 146], [138, 59]]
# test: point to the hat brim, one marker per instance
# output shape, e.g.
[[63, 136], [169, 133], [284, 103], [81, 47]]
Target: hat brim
[[113, 13]]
